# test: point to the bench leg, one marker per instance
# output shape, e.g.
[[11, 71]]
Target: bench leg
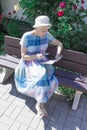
[[5, 74], [76, 99]]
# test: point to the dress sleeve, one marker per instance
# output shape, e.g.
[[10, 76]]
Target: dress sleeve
[[24, 41], [50, 37]]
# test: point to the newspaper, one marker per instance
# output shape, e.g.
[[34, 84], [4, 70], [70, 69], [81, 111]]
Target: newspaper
[[52, 61]]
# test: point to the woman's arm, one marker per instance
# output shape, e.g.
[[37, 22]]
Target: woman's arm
[[58, 44], [59, 47], [29, 57]]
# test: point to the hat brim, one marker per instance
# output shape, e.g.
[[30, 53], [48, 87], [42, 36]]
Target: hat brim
[[41, 25]]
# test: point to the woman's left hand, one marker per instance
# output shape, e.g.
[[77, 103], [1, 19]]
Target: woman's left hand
[[57, 56]]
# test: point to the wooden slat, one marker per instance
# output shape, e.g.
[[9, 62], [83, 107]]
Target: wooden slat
[[9, 58], [8, 64], [12, 41], [75, 56], [72, 66], [69, 55], [72, 60], [72, 84], [52, 51], [71, 75], [13, 51]]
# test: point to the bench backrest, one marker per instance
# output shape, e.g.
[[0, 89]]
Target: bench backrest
[[12, 46], [72, 60]]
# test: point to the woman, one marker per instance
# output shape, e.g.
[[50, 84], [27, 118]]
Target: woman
[[33, 78]]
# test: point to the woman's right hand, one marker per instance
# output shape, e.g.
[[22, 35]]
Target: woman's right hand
[[40, 56]]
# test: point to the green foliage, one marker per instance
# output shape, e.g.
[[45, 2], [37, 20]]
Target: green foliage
[[68, 27], [0, 9], [68, 92], [1, 42], [11, 27]]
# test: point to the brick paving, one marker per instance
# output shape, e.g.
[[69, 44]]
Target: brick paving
[[17, 112]]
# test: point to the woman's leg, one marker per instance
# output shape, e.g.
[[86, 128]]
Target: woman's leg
[[41, 111]]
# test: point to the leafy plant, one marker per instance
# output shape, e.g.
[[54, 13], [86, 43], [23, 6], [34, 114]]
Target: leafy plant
[[70, 93], [0, 9], [1, 42], [66, 17]]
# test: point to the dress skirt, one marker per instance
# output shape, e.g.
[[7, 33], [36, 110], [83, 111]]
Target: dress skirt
[[35, 80]]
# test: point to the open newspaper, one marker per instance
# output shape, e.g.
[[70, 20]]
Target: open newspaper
[[51, 61]]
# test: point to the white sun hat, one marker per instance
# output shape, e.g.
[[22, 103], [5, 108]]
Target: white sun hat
[[42, 20]]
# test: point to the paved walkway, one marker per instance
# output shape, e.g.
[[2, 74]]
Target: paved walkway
[[17, 112]]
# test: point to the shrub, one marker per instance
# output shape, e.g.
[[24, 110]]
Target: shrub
[[66, 17]]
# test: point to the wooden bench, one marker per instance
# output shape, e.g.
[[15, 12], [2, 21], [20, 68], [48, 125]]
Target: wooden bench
[[71, 70]]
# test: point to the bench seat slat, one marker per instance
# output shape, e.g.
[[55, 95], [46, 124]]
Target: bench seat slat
[[71, 75], [8, 64], [9, 58], [72, 84]]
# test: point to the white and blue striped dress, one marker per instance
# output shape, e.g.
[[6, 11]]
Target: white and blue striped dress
[[31, 77]]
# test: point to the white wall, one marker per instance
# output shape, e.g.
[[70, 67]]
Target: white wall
[[8, 6]]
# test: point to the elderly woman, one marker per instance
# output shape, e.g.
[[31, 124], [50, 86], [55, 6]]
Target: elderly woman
[[33, 78]]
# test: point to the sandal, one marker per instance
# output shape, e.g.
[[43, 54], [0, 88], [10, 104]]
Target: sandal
[[41, 112], [44, 112]]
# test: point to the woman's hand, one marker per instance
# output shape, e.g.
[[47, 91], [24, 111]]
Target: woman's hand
[[40, 56], [57, 56]]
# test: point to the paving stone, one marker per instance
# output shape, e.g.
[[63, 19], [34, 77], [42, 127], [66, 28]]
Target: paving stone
[[23, 127], [54, 126], [41, 125], [35, 122], [29, 114], [6, 120], [86, 104], [84, 125], [30, 103], [4, 103], [11, 98], [73, 119], [62, 118], [10, 109], [85, 111], [30, 128], [15, 113], [65, 128], [82, 102], [2, 89], [18, 103], [6, 95], [1, 94], [2, 110], [71, 125], [85, 115], [53, 102], [23, 120], [79, 112], [3, 126], [15, 125], [56, 115]]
